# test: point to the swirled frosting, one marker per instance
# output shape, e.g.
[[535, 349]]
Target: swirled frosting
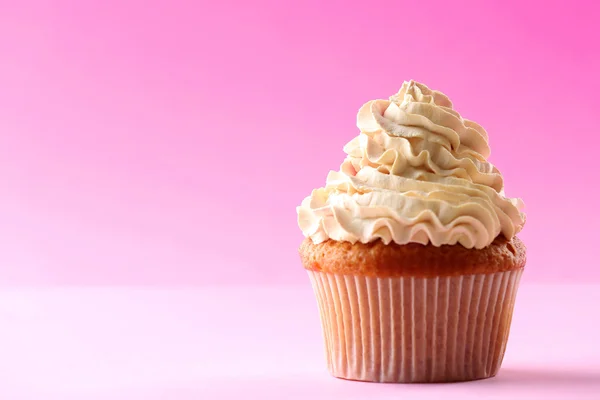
[[417, 172]]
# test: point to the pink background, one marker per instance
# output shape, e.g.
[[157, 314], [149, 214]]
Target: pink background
[[167, 143], [147, 142]]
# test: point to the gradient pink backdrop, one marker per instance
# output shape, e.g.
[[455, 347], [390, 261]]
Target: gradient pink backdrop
[[147, 142]]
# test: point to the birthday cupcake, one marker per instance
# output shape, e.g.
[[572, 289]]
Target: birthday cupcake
[[411, 247]]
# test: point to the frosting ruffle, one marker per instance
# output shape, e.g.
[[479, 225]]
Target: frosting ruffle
[[417, 172]]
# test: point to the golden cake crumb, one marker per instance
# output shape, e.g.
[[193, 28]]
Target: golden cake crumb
[[413, 259]]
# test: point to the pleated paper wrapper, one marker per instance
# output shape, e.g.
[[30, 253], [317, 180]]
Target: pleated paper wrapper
[[407, 329]]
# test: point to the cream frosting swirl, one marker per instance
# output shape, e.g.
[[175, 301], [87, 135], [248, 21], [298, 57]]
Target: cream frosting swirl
[[417, 172]]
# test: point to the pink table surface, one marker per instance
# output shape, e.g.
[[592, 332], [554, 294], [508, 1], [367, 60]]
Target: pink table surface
[[259, 343]]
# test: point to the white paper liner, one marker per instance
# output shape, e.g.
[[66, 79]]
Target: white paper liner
[[405, 329]]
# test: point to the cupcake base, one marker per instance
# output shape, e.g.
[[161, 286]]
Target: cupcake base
[[408, 329]]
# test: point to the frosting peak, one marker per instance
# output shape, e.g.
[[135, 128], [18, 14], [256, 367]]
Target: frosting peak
[[417, 172]]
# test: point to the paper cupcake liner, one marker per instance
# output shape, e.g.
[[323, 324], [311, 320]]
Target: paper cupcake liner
[[406, 329]]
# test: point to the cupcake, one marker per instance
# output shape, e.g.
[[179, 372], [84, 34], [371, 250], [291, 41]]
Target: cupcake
[[411, 247]]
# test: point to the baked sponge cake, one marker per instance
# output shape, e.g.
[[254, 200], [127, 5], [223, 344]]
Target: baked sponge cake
[[411, 247]]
